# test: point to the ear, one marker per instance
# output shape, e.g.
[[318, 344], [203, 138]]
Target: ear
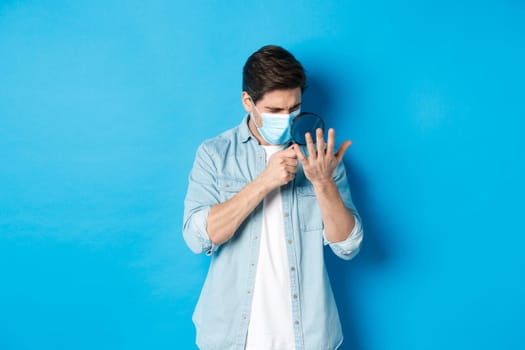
[[246, 102]]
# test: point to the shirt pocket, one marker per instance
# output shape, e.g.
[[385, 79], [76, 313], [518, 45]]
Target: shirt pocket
[[229, 186], [309, 211]]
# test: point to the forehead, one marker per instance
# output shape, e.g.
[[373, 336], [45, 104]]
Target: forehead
[[281, 98]]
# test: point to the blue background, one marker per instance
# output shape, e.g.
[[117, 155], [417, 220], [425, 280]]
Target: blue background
[[103, 104]]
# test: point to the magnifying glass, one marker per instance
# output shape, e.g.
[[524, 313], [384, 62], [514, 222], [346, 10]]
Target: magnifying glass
[[305, 122]]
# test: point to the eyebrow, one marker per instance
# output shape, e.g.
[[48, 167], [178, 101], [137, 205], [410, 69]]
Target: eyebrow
[[277, 109]]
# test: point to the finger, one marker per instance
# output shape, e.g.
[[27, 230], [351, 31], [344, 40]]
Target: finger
[[292, 162], [341, 152], [291, 169], [298, 152], [320, 142], [331, 141], [310, 146]]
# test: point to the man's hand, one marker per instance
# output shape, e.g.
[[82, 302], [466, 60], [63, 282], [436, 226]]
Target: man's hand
[[225, 218], [281, 168], [319, 168], [320, 164]]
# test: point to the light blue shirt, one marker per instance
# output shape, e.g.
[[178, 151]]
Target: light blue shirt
[[222, 167]]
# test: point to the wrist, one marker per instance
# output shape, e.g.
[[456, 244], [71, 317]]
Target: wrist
[[323, 184], [262, 185]]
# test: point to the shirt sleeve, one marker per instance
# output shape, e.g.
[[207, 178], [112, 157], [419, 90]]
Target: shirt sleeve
[[348, 248], [202, 194]]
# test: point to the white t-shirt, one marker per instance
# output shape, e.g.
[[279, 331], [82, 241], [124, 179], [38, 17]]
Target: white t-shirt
[[270, 326]]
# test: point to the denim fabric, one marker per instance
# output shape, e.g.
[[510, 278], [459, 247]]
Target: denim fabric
[[222, 167]]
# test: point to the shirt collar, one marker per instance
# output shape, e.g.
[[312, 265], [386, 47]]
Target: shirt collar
[[244, 131]]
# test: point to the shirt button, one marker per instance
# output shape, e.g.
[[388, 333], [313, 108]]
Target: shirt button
[[295, 296], [296, 322], [289, 241], [292, 268], [249, 291], [255, 238], [286, 215]]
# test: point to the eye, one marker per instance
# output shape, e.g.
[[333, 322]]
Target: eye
[[295, 108]]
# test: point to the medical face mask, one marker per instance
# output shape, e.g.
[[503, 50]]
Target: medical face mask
[[275, 127]]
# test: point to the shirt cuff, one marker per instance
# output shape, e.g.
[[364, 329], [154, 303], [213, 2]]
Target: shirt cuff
[[348, 248], [200, 220]]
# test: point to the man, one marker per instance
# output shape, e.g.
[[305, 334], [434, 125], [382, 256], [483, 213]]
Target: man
[[263, 208]]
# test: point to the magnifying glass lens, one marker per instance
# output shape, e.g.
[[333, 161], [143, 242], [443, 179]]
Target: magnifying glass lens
[[303, 123]]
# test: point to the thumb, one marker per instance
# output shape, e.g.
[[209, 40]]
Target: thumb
[[290, 152], [342, 149]]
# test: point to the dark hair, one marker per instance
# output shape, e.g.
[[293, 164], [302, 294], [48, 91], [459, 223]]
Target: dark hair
[[271, 68]]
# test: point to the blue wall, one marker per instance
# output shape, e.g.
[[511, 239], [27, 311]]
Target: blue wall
[[102, 106]]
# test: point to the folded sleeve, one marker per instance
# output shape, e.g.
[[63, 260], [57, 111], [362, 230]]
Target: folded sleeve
[[202, 194], [348, 248]]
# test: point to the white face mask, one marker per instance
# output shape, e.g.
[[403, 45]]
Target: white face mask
[[275, 127]]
